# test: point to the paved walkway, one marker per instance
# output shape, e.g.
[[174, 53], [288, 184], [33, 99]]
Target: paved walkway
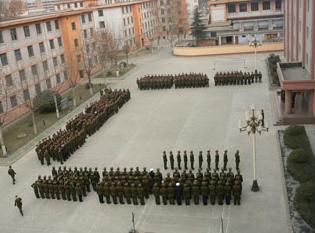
[[310, 131], [153, 121]]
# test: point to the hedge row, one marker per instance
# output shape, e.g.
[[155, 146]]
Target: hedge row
[[301, 165]]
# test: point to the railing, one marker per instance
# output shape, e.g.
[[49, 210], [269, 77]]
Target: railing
[[252, 14]]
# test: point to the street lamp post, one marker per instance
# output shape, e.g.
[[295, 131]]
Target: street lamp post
[[255, 43], [254, 124]]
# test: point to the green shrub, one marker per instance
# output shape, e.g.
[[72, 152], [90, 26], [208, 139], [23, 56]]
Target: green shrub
[[295, 137], [302, 172], [304, 201], [44, 102], [272, 64], [299, 156]]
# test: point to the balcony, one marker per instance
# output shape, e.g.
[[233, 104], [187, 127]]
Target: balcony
[[251, 14]]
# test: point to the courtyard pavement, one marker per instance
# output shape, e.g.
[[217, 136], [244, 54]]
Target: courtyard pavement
[[153, 121]]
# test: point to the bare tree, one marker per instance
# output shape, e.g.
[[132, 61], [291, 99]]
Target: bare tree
[[73, 79], [88, 61], [11, 8], [4, 98]]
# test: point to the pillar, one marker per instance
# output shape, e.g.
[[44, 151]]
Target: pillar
[[288, 102], [234, 39], [311, 102], [220, 40]]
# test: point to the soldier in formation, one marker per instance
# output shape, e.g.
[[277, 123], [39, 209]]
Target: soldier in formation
[[129, 187], [200, 160], [236, 78], [18, 204], [191, 80], [219, 188], [62, 144], [66, 184], [155, 82]]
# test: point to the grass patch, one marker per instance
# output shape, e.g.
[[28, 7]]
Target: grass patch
[[304, 202], [112, 72], [24, 126]]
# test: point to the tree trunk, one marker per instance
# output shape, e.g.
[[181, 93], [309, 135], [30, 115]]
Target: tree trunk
[[34, 122], [56, 106], [74, 98], [3, 147], [90, 85]]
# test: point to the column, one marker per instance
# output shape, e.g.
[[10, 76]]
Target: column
[[234, 39], [288, 102], [220, 40], [311, 102]]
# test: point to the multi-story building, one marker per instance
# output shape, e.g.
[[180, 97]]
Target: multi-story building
[[173, 17], [191, 6], [236, 21], [49, 51], [297, 73]]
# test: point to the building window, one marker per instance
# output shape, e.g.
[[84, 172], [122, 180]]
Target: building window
[[308, 5], [55, 61], [60, 42], [52, 44], [231, 8], [38, 28], [13, 34], [1, 38], [307, 32], [75, 5], [62, 58], [279, 4], [81, 74], [17, 54], [48, 26], [73, 26], [48, 83], [22, 75], [45, 65], [76, 43], [254, 6], [65, 75], [81, 4], [91, 31], [58, 78], [90, 17], [306, 58], [30, 51], [78, 58], [57, 24], [26, 31], [37, 89], [8, 80], [87, 48], [83, 19], [243, 7], [102, 24], [100, 13], [26, 95], [85, 33], [4, 59], [34, 70], [13, 101], [266, 5], [41, 47]]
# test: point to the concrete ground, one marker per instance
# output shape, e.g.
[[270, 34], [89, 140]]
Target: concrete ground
[[153, 121]]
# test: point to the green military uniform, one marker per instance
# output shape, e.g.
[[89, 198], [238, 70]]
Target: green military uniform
[[156, 193], [237, 160], [185, 160], [171, 194], [35, 187], [187, 194], [208, 160], [225, 159], [212, 192], [172, 160], [195, 191], [200, 159], [165, 160], [217, 160], [127, 193], [163, 192], [140, 192], [192, 160]]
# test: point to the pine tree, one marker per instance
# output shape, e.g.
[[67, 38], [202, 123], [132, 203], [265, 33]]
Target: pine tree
[[197, 27]]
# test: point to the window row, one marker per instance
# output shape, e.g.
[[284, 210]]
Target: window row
[[254, 6], [30, 50], [84, 19], [13, 100], [128, 20], [28, 32], [34, 70]]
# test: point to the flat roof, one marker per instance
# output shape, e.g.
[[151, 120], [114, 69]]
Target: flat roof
[[295, 74]]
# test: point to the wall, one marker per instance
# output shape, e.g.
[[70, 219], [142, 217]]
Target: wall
[[223, 50]]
